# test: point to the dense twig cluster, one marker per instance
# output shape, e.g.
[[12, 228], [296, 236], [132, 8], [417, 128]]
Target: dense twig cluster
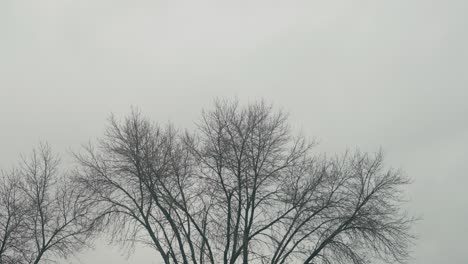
[[241, 188], [41, 214]]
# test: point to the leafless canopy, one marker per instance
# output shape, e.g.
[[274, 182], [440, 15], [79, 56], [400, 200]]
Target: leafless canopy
[[12, 218], [42, 215], [242, 188]]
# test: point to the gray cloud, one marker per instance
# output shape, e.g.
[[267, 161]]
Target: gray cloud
[[364, 74]]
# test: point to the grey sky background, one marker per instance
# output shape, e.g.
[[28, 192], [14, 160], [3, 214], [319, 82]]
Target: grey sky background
[[365, 74]]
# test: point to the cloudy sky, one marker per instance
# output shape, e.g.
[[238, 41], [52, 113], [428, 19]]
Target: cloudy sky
[[353, 74]]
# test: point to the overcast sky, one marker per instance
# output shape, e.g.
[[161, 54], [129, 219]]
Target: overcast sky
[[353, 74]]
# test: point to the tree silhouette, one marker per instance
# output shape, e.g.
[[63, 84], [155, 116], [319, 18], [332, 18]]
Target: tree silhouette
[[13, 213], [45, 215], [242, 188]]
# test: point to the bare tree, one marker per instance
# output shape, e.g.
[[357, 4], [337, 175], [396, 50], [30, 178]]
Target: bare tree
[[45, 216], [13, 213], [243, 189], [141, 178]]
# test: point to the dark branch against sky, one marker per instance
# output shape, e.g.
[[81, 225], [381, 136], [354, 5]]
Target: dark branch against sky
[[368, 75]]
